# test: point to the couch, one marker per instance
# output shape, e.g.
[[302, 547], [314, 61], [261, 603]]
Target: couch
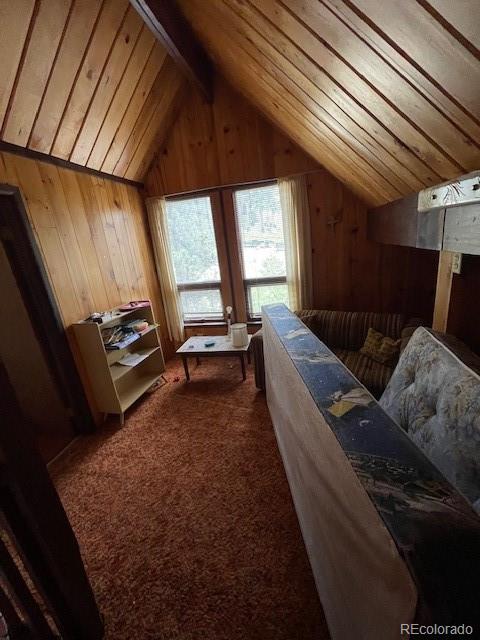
[[344, 332], [434, 395], [391, 539]]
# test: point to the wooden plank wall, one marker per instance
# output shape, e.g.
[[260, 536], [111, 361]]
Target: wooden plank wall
[[85, 81], [229, 142], [225, 142], [352, 273], [382, 93], [464, 310], [92, 236]]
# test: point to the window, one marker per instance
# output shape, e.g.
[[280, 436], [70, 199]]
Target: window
[[262, 246], [228, 249], [195, 258]]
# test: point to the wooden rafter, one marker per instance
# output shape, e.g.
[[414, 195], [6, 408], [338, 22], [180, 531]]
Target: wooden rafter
[[175, 34]]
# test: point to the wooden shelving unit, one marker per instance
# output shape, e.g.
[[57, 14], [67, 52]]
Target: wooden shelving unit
[[116, 386]]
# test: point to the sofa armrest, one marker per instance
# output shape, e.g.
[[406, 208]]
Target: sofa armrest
[[256, 347]]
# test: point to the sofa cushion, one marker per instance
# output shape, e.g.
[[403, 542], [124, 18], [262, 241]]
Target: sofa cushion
[[380, 348], [435, 397], [373, 375]]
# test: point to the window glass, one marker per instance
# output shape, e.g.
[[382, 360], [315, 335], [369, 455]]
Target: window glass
[[201, 304], [259, 221], [258, 295], [192, 240], [195, 258], [262, 246]]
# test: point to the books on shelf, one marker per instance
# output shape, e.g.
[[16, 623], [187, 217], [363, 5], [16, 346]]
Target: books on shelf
[[124, 342], [121, 335]]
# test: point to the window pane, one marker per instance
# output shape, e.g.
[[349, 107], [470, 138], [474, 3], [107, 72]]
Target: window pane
[[192, 240], [259, 219], [259, 295], [199, 305]]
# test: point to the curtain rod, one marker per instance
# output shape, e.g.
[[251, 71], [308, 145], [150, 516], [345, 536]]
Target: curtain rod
[[180, 194]]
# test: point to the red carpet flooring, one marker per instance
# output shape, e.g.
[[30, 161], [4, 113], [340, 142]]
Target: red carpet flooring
[[185, 520]]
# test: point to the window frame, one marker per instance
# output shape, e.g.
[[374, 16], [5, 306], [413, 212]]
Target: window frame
[[247, 283], [223, 284], [233, 287], [202, 286]]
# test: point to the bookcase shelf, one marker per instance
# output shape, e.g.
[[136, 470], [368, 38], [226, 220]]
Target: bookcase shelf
[[117, 386], [119, 370]]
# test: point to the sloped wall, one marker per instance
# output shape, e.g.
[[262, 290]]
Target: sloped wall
[[86, 82], [230, 142], [382, 94], [91, 233]]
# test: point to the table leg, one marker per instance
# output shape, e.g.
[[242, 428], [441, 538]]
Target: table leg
[[249, 359], [198, 361], [242, 361], [185, 366]]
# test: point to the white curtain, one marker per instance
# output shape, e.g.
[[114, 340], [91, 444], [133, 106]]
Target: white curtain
[[298, 246], [157, 219]]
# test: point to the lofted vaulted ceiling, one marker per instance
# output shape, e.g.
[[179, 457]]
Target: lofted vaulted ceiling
[[384, 93], [85, 81]]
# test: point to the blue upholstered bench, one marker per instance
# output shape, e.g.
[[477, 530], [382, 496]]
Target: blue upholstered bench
[[390, 540]]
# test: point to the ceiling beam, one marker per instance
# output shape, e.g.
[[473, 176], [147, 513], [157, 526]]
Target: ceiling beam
[[401, 223], [173, 31], [464, 190], [445, 217], [7, 147], [418, 220]]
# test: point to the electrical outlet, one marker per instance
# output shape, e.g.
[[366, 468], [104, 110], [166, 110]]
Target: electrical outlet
[[457, 263]]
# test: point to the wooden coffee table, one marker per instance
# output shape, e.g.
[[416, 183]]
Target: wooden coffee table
[[195, 348]]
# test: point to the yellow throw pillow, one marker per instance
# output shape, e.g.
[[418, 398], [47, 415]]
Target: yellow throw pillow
[[380, 348]]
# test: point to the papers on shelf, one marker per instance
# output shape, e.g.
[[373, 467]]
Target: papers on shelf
[[132, 359]]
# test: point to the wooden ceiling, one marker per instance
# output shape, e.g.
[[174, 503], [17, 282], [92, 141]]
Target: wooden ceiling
[[85, 81], [384, 93]]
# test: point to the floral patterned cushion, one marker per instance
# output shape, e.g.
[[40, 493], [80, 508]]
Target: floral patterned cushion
[[435, 397]]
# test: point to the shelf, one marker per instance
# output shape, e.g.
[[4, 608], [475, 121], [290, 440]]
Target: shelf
[[147, 331], [119, 370], [117, 319], [142, 383], [140, 335], [116, 386]]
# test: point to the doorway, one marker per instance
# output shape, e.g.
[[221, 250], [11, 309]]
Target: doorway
[[44, 589], [33, 346]]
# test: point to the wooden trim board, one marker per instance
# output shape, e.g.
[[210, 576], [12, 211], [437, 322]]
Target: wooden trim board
[[443, 291], [65, 164]]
